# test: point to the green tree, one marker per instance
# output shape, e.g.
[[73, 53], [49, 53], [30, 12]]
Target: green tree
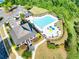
[[7, 6], [28, 7], [22, 16]]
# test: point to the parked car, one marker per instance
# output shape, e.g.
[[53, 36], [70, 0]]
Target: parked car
[[1, 18], [14, 7]]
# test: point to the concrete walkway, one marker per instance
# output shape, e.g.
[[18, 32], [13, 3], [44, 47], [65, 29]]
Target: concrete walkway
[[36, 46], [17, 56]]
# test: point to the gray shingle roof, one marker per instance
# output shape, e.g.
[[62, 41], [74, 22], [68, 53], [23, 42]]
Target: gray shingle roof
[[19, 35], [26, 26]]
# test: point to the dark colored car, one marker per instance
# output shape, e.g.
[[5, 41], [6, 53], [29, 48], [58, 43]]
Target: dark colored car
[[14, 7], [1, 18]]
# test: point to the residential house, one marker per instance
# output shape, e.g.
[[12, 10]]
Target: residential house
[[21, 33]]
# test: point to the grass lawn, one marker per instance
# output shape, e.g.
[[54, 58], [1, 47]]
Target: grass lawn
[[43, 52]]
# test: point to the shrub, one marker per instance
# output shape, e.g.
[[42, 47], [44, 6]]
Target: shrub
[[27, 54], [22, 16], [51, 45], [17, 48], [28, 7]]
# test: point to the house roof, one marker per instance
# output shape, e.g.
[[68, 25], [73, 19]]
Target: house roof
[[26, 26], [19, 35], [27, 14]]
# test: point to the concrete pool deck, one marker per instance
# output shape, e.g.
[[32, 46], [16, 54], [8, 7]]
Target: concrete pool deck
[[43, 23]]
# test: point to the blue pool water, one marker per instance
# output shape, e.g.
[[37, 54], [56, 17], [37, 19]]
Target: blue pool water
[[42, 22], [1, 1]]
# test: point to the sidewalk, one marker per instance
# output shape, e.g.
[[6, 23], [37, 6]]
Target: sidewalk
[[36, 46], [16, 54]]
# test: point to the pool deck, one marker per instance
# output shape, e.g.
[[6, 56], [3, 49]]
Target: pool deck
[[43, 22]]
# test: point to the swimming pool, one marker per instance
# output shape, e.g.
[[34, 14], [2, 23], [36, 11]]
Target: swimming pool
[[43, 21], [45, 25], [1, 1]]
